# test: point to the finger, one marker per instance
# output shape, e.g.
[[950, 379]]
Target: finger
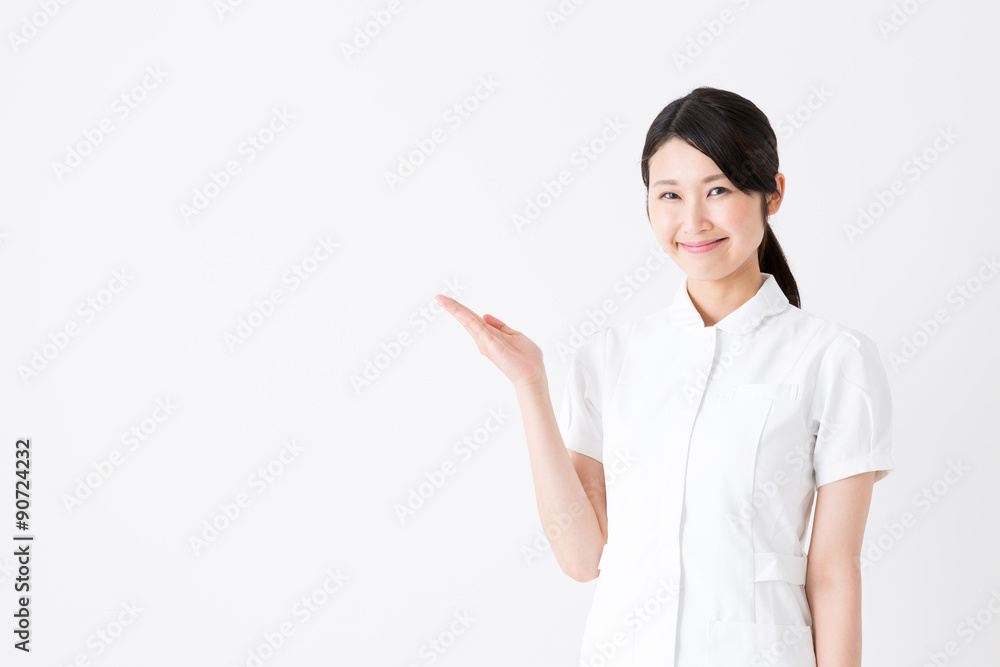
[[499, 324], [456, 309], [451, 305], [476, 327], [486, 337]]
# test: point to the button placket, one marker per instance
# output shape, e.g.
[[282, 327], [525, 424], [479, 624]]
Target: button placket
[[707, 343], [709, 338], [702, 365]]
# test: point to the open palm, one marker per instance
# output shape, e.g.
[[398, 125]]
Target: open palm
[[512, 352]]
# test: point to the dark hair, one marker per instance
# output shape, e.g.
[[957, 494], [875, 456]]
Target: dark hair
[[732, 131]]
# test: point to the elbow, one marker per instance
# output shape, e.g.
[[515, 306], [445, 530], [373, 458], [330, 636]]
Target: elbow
[[832, 573], [583, 575], [581, 562], [580, 571]]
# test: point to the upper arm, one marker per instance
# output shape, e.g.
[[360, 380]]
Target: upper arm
[[591, 474], [851, 411], [839, 523]]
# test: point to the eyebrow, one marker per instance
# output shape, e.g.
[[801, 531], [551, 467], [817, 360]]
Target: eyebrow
[[707, 179]]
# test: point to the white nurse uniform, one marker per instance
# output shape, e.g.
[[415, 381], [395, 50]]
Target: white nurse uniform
[[714, 441]]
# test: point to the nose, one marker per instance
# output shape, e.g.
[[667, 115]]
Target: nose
[[693, 218]]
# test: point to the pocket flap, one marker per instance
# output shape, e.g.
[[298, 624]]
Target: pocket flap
[[773, 391], [772, 566], [762, 390]]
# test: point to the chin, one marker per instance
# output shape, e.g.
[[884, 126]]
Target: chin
[[702, 270], [706, 274]]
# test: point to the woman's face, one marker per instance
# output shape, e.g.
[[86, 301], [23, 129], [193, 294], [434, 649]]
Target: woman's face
[[691, 202]]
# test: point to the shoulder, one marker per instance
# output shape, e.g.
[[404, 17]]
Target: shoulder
[[606, 346], [827, 338], [618, 338], [654, 326], [839, 361]]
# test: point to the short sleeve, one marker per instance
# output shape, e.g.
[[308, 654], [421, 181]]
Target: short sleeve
[[580, 411], [851, 413]]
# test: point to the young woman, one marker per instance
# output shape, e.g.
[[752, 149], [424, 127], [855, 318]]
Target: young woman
[[720, 418]]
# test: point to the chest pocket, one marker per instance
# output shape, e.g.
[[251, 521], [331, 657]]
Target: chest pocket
[[740, 411], [752, 405]]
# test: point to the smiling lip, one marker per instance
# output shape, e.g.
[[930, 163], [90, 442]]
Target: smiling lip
[[701, 246]]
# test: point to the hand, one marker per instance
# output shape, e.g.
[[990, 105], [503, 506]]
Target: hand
[[513, 353]]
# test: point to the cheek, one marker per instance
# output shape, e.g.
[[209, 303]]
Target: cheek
[[664, 226], [743, 220], [742, 213], [662, 216]]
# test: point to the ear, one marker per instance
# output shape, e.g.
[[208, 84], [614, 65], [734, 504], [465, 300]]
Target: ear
[[774, 199]]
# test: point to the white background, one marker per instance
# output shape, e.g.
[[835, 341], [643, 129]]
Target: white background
[[886, 95]]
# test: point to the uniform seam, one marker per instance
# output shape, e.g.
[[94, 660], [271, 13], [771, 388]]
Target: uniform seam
[[623, 341], [753, 516]]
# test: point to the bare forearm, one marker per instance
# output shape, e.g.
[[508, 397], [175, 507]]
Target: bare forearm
[[567, 514], [835, 602]]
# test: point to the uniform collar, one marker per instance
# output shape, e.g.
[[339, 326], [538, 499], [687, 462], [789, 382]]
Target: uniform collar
[[769, 300]]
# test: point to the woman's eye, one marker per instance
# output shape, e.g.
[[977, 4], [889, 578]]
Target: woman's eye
[[671, 195]]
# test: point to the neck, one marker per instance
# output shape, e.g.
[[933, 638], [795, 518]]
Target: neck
[[715, 299]]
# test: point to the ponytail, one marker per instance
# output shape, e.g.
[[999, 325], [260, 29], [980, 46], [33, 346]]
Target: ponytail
[[772, 260]]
